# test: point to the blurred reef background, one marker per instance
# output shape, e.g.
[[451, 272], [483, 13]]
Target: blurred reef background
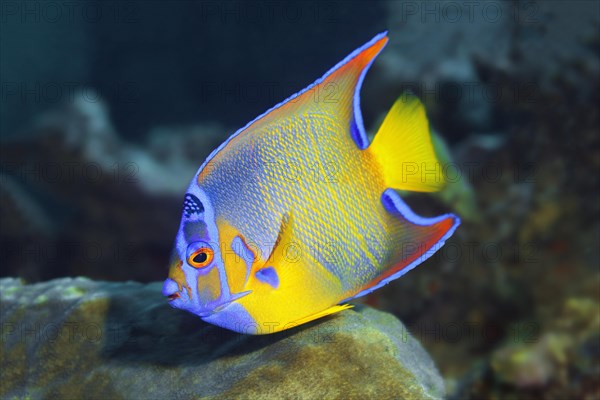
[[108, 109]]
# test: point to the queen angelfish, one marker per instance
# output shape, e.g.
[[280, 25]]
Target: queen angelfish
[[296, 213]]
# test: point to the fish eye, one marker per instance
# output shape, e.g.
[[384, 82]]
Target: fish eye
[[199, 255]]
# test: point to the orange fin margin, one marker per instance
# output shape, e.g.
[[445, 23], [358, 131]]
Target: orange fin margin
[[336, 89]]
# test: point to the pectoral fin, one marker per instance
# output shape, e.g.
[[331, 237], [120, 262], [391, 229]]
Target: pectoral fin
[[276, 261]]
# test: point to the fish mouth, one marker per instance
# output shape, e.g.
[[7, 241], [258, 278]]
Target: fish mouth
[[171, 289], [202, 313]]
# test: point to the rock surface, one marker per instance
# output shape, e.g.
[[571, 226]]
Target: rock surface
[[78, 338]]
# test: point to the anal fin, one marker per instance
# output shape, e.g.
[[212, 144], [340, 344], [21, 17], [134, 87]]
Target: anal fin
[[417, 238]]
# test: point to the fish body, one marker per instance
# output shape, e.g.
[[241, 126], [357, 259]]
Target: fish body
[[296, 213]]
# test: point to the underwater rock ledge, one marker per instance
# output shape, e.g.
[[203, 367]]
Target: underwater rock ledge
[[78, 338]]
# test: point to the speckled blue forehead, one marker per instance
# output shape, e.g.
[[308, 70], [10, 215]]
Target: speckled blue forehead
[[193, 227], [192, 205], [198, 217]]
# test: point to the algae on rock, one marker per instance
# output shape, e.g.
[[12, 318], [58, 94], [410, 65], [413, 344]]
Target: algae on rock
[[78, 338]]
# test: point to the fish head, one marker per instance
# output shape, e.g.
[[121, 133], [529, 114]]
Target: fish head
[[197, 279]]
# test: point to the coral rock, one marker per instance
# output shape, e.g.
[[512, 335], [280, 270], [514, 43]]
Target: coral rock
[[78, 338]]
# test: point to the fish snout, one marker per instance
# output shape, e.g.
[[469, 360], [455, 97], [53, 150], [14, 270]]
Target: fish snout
[[170, 289]]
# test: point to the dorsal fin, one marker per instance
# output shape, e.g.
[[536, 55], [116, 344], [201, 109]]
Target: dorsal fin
[[337, 90]]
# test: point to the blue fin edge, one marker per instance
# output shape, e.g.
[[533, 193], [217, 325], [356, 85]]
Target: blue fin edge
[[400, 207], [360, 135], [358, 121]]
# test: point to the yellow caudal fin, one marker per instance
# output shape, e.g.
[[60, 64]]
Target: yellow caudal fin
[[404, 149], [321, 314]]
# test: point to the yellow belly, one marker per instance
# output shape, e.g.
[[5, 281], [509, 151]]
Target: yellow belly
[[303, 291]]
